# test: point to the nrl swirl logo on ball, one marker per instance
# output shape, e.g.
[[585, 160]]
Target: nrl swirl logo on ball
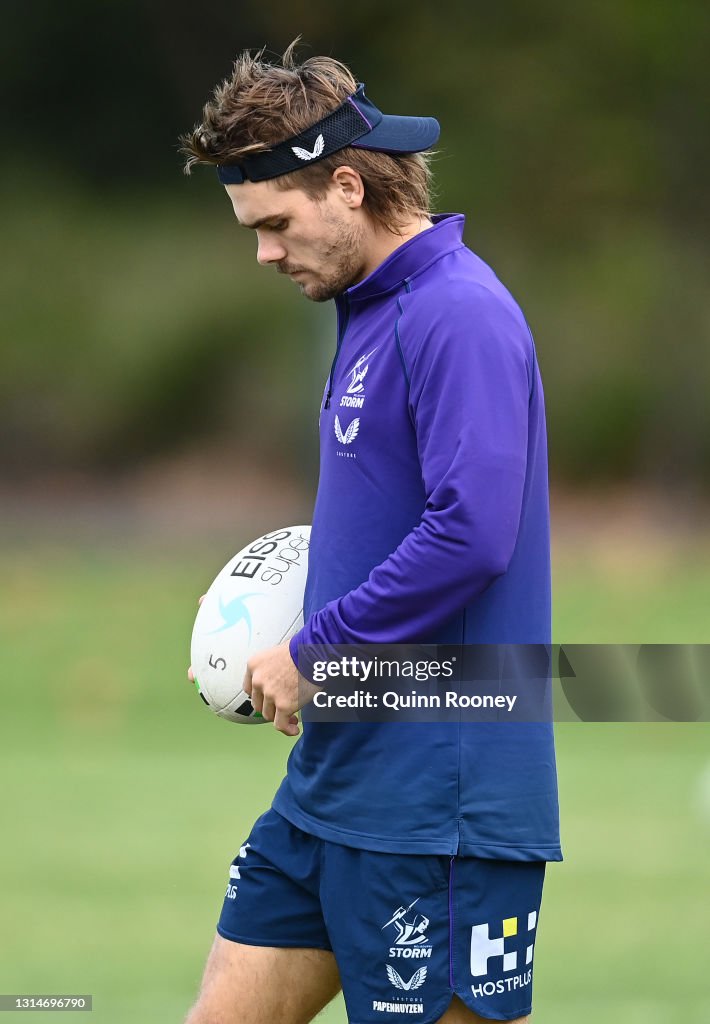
[[255, 602]]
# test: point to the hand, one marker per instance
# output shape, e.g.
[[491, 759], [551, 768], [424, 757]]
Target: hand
[[276, 689], [190, 673]]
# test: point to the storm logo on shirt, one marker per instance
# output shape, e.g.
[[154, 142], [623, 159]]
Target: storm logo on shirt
[[357, 375]]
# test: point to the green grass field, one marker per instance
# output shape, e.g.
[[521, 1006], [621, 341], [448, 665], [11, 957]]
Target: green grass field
[[124, 800]]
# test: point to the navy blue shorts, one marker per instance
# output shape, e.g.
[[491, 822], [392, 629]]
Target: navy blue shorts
[[407, 930]]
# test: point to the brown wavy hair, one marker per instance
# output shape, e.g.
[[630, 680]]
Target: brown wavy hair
[[262, 104]]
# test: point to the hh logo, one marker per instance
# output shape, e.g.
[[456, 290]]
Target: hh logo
[[483, 947]]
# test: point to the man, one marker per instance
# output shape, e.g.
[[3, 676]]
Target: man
[[404, 862]]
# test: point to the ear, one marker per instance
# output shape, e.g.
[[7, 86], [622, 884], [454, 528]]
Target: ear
[[350, 186]]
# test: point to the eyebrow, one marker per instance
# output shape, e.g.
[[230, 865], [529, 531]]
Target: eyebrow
[[262, 220]]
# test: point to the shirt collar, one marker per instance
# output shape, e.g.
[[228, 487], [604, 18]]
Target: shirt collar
[[411, 257]]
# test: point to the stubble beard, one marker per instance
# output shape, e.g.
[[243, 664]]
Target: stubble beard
[[341, 261]]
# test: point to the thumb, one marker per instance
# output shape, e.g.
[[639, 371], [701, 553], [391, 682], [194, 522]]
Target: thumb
[[285, 723]]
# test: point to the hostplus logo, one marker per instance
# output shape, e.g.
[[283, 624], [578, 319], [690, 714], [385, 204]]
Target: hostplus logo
[[511, 950]]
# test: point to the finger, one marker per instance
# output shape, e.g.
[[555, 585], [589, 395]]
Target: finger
[[191, 674], [268, 709], [201, 599], [285, 723], [247, 685], [257, 699]]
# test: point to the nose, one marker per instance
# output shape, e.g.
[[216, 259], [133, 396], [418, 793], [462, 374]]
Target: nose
[[269, 250]]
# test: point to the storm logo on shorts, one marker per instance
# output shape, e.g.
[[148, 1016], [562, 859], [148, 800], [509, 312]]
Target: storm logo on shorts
[[408, 932], [411, 940]]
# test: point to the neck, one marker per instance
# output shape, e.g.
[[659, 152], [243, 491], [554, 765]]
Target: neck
[[383, 243]]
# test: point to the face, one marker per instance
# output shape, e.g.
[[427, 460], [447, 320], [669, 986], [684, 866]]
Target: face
[[319, 244]]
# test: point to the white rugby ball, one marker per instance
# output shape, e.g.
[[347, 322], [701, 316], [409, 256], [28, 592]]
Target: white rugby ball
[[255, 602]]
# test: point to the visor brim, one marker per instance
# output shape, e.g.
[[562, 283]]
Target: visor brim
[[397, 134]]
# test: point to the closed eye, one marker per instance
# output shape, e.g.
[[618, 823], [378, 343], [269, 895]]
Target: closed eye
[[271, 224]]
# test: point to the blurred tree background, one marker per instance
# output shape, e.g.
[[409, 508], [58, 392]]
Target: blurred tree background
[[137, 325]]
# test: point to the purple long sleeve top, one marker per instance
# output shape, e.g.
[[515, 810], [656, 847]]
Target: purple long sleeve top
[[431, 525]]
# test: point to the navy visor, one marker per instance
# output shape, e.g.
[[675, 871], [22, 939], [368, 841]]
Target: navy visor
[[356, 122]]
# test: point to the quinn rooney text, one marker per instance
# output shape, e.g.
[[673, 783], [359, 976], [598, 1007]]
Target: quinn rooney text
[[397, 701]]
